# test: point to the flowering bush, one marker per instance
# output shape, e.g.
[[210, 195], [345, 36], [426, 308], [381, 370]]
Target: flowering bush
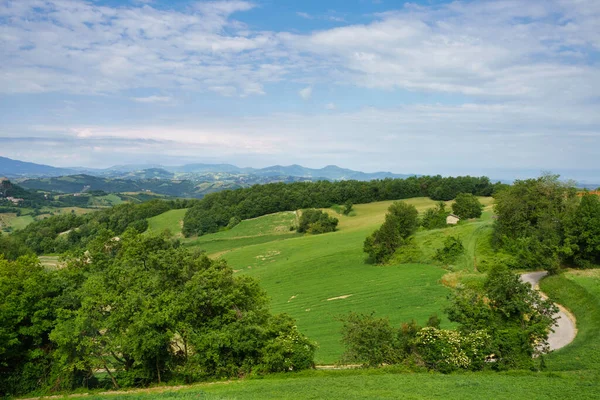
[[446, 350]]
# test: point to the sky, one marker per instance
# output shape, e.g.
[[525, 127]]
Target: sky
[[506, 88]]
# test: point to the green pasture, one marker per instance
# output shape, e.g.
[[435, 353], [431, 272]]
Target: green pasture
[[578, 291], [384, 384], [171, 220], [319, 278]]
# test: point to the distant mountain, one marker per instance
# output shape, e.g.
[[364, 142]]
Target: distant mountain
[[331, 172], [198, 171], [15, 169], [82, 183]]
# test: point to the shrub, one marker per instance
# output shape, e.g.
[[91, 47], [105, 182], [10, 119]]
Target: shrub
[[316, 221], [453, 248], [401, 221], [369, 340], [435, 218], [446, 350], [467, 206]]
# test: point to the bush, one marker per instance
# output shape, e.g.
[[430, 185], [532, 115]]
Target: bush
[[370, 341], [453, 248], [435, 218], [316, 221], [348, 208], [446, 350], [401, 221], [467, 206]]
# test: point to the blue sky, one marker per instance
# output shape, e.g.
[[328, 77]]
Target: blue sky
[[505, 87]]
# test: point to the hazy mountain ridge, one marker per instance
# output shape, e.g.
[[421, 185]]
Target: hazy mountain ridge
[[19, 169]]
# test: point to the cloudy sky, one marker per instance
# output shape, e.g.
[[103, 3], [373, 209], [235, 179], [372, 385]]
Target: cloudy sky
[[495, 87]]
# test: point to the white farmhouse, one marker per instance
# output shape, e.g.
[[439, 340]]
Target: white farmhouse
[[452, 219]]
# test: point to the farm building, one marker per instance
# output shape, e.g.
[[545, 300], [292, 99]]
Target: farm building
[[452, 219]]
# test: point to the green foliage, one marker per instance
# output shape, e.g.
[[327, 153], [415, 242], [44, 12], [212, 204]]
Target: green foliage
[[435, 218], [142, 309], [369, 340], [453, 248], [447, 350], [532, 215], [65, 232], [348, 208], [467, 206], [27, 315], [12, 249], [401, 221], [214, 210], [233, 221], [373, 342], [511, 312], [582, 232], [316, 221]]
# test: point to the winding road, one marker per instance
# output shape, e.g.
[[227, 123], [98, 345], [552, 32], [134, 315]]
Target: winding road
[[565, 329]]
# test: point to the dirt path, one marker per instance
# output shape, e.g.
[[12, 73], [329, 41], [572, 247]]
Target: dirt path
[[565, 329]]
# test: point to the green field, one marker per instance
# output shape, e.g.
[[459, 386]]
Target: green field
[[255, 231], [579, 291], [318, 278], [572, 372], [365, 384], [171, 220]]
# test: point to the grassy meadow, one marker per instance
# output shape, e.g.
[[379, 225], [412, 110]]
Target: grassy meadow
[[386, 384], [318, 278]]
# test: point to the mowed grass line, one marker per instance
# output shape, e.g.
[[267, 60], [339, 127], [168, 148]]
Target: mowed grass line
[[579, 291], [268, 228], [369, 384]]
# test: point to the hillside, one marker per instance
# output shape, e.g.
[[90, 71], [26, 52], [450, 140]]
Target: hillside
[[198, 172], [319, 278], [15, 168]]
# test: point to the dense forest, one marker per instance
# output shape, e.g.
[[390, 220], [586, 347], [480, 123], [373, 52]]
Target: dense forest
[[216, 210]]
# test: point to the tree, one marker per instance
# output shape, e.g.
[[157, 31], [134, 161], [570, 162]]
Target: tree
[[142, 309], [467, 206], [348, 208], [316, 221], [512, 312], [401, 221], [435, 218], [582, 232], [530, 222], [27, 313]]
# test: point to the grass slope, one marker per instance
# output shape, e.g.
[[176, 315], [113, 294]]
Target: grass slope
[[365, 384], [579, 291], [308, 276], [268, 228], [171, 220]]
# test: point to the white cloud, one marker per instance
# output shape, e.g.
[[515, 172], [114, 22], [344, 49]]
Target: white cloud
[[152, 99], [330, 106], [304, 15], [305, 93], [78, 47]]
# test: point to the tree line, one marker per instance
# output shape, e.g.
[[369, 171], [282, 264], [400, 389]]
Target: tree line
[[544, 224], [215, 211], [61, 233]]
